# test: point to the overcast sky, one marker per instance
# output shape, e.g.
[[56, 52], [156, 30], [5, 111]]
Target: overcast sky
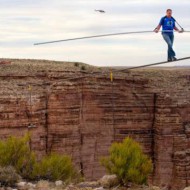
[[24, 22]]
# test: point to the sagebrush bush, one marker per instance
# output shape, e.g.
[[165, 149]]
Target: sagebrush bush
[[128, 162], [16, 152], [83, 68], [8, 176], [54, 167], [76, 64]]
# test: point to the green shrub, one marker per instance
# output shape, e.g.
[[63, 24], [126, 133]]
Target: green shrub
[[83, 68], [128, 162], [8, 176], [54, 167], [16, 152], [76, 64]]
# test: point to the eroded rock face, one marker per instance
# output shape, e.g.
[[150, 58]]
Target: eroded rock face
[[81, 114]]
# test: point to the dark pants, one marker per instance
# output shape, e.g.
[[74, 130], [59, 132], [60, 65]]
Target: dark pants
[[169, 38]]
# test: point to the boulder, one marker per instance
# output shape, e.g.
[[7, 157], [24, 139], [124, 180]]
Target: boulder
[[72, 187], [155, 188], [187, 188], [59, 183], [108, 181], [21, 184], [99, 188], [43, 185], [31, 185], [92, 184]]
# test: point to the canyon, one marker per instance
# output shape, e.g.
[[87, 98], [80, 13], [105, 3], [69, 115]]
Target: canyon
[[74, 109]]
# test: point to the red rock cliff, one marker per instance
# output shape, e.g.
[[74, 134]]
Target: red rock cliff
[[81, 113]]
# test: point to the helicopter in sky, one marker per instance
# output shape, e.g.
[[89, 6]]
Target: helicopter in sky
[[100, 11]]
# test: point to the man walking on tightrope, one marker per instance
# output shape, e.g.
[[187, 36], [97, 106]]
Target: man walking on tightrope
[[168, 25]]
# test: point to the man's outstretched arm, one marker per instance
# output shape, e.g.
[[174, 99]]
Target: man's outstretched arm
[[178, 30], [157, 28]]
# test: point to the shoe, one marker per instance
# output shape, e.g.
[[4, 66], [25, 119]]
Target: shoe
[[174, 59], [169, 60]]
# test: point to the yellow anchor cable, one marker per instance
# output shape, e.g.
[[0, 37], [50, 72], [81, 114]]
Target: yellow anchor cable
[[111, 76]]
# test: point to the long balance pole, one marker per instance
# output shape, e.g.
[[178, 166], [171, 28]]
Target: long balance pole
[[99, 36]]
